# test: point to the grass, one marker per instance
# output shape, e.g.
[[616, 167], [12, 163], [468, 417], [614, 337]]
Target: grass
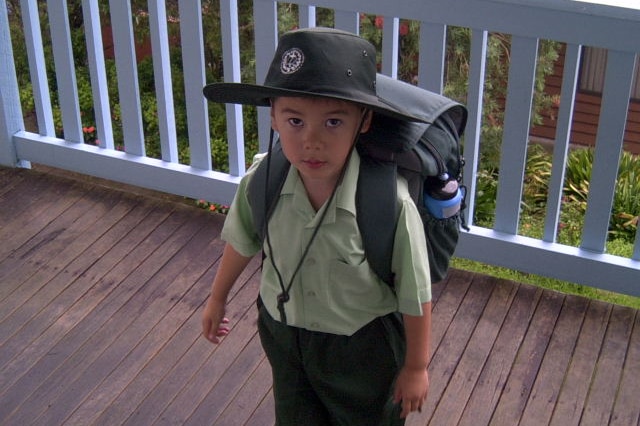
[[547, 283]]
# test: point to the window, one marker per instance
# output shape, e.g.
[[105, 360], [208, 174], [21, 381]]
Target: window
[[592, 70]]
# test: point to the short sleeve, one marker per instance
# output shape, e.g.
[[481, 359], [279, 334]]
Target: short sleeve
[[410, 262], [239, 229]]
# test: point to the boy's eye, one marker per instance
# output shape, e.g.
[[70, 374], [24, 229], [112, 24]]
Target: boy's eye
[[333, 122], [296, 122]]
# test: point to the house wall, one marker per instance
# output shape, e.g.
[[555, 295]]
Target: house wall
[[585, 117]]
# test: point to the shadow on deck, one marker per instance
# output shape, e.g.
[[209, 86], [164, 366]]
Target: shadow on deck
[[101, 287]]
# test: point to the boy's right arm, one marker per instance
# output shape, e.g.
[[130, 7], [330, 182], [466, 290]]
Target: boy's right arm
[[213, 320]]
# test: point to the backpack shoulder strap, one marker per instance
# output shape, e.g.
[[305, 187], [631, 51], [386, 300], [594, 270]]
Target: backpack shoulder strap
[[265, 185], [377, 216]]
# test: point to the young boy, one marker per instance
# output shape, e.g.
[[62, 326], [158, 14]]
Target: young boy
[[345, 348]]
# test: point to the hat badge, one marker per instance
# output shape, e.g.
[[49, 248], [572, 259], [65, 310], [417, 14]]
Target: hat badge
[[292, 60]]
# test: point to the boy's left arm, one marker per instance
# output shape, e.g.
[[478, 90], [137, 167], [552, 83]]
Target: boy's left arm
[[412, 384]]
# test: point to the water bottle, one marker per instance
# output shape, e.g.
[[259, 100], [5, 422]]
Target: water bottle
[[442, 196]]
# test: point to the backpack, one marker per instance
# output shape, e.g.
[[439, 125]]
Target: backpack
[[427, 155]]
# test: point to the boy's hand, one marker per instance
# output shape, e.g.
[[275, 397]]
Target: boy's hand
[[214, 322], [411, 389]]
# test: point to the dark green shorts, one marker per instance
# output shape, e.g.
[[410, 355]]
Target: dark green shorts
[[325, 379]]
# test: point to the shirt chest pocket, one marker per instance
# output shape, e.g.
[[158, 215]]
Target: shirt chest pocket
[[355, 285]]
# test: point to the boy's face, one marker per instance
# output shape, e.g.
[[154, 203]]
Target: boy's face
[[316, 134]]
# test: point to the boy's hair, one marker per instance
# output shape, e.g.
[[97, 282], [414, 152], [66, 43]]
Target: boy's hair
[[322, 62]]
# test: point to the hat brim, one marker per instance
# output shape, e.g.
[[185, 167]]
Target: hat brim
[[259, 95]]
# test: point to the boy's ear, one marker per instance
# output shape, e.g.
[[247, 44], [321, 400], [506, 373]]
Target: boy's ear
[[366, 123]]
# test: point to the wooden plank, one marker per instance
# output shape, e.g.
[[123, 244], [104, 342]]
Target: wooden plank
[[32, 318], [525, 368], [574, 390], [264, 414], [101, 281], [556, 361], [494, 375], [201, 254], [86, 342], [35, 254], [608, 373], [249, 399], [445, 361], [178, 376], [209, 373], [229, 385], [153, 373], [45, 203], [132, 323], [447, 306], [196, 371], [9, 179], [464, 378], [627, 410], [50, 277]]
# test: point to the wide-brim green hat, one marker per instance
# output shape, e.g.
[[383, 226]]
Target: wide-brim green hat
[[322, 62]]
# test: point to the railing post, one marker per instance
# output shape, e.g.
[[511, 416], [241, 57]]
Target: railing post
[[11, 120]]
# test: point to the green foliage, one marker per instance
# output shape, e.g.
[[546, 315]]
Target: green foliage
[[486, 193], [536, 183], [626, 202]]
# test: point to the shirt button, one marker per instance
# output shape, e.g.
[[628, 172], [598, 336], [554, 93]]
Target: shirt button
[[311, 261], [311, 294], [315, 325]]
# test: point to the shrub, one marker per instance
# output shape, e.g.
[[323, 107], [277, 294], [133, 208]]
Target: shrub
[[626, 202]]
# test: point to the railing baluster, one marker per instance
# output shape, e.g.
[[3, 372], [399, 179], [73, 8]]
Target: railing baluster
[[266, 40], [347, 21], [97, 71], [194, 81], [561, 143], [433, 39], [231, 59], [37, 67], [128, 88], [163, 81], [613, 118], [307, 16], [472, 132], [65, 70], [390, 38], [516, 132]]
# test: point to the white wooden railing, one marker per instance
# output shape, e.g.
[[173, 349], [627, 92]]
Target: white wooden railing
[[527, 21]]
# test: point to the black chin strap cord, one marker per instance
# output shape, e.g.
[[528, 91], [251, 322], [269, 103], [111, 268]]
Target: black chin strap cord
[[283, 297]]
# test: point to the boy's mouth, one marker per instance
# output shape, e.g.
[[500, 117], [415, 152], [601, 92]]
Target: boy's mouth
[[313, 163]]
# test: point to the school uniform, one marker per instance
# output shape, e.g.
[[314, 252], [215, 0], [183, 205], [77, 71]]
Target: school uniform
[[336, 357]]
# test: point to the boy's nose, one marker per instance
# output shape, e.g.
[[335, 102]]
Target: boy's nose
[[311, 139]]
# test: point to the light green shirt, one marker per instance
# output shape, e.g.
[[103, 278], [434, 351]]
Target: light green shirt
[[335, 290]]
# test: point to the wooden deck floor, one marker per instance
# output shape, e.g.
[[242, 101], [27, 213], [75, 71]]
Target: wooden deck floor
[[100, 293]]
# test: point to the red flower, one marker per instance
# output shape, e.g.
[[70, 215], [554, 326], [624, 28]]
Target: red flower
[[379, 22], [404, 29]]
